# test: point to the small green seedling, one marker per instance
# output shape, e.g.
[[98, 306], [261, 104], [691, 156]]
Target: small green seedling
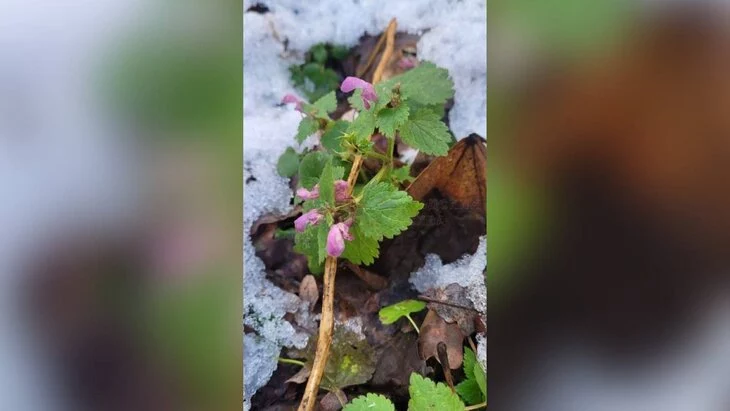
[[392, 313]]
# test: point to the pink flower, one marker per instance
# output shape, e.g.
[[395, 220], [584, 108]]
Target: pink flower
[[312, 217], [407, 62], [291, 98], [305, 194], [336, 239], [341, 190], [368, 91]]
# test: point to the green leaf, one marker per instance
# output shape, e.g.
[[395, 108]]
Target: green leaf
[[425, 131], [288, 163], [471, 388], [307, 127], [390, 119], [339, 52], [469, 360], [362, 249], [469, 391], [401, 174], [319, 53], [363, 126], [326, 104], [481, 378], [356, 102], [331, 137], [392, 313], [370, 402], [322, 231], [385, 211], [429, 396], [310, 168], [425, 84], [327, 184]]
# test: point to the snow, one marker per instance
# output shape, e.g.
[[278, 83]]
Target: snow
[[454, 37], [258, 371], [468, 272]]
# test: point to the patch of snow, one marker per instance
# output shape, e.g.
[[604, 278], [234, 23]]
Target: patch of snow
[[482, 350], [468, 272], [260, 365]]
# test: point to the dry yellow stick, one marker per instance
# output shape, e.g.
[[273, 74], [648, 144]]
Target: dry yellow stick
[[389, 44], [326, 323]]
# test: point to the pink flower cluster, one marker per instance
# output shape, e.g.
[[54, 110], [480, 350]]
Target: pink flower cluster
[[339, 232]]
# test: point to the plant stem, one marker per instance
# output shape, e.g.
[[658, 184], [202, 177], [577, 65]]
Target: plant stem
[[379, 156], [341, 397], [413, 322], [326, 326], [391, 149], [476, 407], [291, 361]]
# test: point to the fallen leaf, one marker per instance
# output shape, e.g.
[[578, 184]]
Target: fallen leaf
[[457, 307], [435, 330], [461, 175], [308, 290], [300, 377]]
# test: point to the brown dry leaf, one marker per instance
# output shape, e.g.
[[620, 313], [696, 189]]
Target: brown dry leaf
[[453, 295], [300, 377], [460, 176], [308, 290], [435, 330], [404, 48]]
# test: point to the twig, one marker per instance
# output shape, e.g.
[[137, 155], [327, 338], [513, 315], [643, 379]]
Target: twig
[[389, 44], [326, 324], [372, 56], [476, 407], [431, 300], [372, 280]]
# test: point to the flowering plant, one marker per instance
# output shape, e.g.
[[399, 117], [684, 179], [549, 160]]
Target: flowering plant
[[348, 218]]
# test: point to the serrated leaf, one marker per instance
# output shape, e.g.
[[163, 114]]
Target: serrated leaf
[[288, 163], [327, 184], [401, 174], [385, 211], [362, 249], [389, 120], [356, 102], [310, 168], [425, 131], [322, 231], [307, 244], [469, 391], [429, 396], [425, 84], [480, 376], [392, 313], [363, 126], [370, 402], [326, 104], [469, 360], [331, 138], [307, 127]]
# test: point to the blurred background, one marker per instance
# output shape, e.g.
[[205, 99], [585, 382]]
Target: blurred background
[[609, 191], [120, 205]]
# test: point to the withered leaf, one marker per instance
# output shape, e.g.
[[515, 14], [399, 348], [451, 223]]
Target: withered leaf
[[453, 296], [435, 330], [308, 290], [461, 175], [300, 377]]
